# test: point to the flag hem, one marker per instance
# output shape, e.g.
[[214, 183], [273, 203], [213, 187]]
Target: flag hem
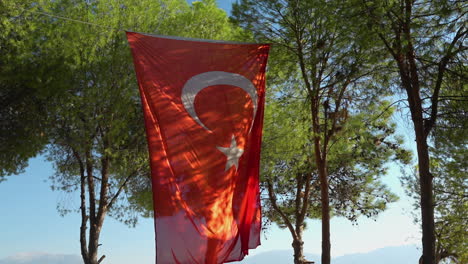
[[199, 39]]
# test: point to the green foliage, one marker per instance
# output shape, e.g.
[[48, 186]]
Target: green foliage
[[357, 159], [347, 87], [425, 39], [451, 200], [70, 86], [78, 92], [434, 26], [97, 123], [100, 114], [203, 19], [28, 63], [449, 168]]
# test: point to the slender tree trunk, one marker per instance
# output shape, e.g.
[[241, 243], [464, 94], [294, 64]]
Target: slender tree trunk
[[94, 235], [321, 163], [97, 208], [425, 177], [410, 81], [325, 201], [92, 243], [298, 246], [298, 243], [301, 208], [426, 188], [320, 156], [84, 216]]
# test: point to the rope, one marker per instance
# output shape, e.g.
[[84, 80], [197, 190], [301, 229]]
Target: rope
[[149, 34], [75, 20], [164, 13]]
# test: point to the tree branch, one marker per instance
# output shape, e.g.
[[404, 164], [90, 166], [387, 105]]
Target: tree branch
[[305, 199], [122, 186], [440, 75], [84, 217], [272, 198]]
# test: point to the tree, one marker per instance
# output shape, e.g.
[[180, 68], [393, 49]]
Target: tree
[[333, 71], [27, 88], [424, 38], [451, 199], [356, 161], [449, 167], [96, 139]]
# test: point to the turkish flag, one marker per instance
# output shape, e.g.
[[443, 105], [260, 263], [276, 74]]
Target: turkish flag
[[203, 106]]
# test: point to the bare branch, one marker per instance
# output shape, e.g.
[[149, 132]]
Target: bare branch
[[121, 187], [272, 198], [440, 75]]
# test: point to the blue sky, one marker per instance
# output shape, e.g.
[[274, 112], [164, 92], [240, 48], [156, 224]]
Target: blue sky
[[29, 221]]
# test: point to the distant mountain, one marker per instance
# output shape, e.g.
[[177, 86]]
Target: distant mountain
[[389, 255], [275, 257], [41, 258]]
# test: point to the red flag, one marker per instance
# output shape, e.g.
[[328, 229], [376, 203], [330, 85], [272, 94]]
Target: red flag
[[203, 107]]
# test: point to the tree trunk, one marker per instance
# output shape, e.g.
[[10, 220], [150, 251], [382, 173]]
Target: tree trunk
[[425, 184], [325, 201], [296, 231], [84, 216], [409, 74], [320, 154], [410, 80], [94, 234], [298, 246], [97, 209]]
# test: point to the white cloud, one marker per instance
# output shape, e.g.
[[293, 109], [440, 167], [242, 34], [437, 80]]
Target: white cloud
[[41, 258]]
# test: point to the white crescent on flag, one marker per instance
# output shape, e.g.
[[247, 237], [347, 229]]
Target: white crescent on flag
[[198, 82]]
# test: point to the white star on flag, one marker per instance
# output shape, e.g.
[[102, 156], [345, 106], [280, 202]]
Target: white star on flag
[[233, 154]]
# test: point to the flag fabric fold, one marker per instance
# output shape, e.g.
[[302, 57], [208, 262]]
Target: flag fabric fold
[[203, 108]]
